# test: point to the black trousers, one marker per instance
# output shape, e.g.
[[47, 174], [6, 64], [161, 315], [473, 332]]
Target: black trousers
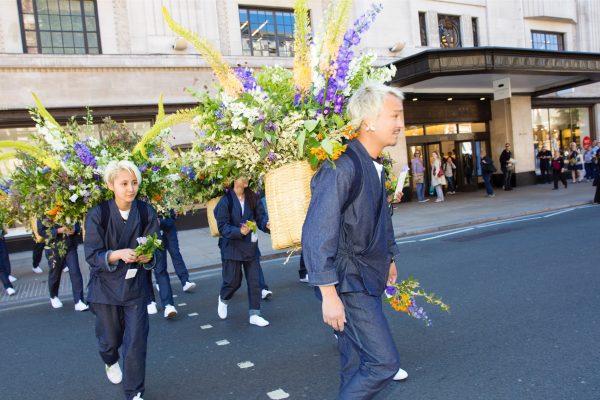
[[302, 271], [232, 280], [55, 269], [597, 196], [507, 179], [125, 327], [559, 176], [545, 175], [38, 251]]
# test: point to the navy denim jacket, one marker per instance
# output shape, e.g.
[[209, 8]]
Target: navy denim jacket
[[107, 281], [72, 241], [352, 250], [234, 245]]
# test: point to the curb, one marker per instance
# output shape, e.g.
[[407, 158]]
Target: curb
[[31, 302]]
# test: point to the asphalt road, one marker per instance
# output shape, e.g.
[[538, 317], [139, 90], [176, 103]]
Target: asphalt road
[[524, 324]]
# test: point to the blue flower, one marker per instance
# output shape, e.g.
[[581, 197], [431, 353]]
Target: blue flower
[[189, 172], [45, 170], [84, 154], [247, 79], [390, 290]]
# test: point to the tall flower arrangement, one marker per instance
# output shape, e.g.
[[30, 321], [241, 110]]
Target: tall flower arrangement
[[260, 120]]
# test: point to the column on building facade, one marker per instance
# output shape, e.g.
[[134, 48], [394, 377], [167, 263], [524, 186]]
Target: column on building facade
[[433, 34], [511, 123], [466, 31]]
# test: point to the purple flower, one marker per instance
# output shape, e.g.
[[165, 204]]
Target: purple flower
[[212, 148], [143, 168], [45, 170], [272, 157], [155, 168], [219, 113], [84, 154], [390, 290], [271, 126], [5, 189], [247, 79], [66, 157], [189, 172]]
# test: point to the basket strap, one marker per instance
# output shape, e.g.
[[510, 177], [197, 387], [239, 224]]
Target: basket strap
[[357, 180]]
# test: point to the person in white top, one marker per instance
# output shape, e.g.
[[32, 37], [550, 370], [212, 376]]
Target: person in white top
[[437, 176]]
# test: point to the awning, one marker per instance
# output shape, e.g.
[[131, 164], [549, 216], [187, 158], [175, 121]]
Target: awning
[[472, 70]]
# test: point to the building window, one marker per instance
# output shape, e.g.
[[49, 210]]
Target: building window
[[547, 40], [475, 32], [449, 28], [423, 29], [60, 26], [267, 32], [556, 128]]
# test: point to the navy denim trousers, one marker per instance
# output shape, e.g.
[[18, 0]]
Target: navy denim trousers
[[171, 243], [369, 359]]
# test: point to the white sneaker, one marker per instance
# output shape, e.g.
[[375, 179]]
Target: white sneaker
[[189, 286], [266, 294], [157, 287], [258, 321], [438, 200], [113, 373], [81, 306], [12, 279], [400, 375], [304, 280], [138, 396], [170, 312], [152, 308], [66, 269], [10, 291], [38, 270], [222, 309], [56, 303]]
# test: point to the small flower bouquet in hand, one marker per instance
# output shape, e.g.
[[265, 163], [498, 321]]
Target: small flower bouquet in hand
[[253, 228], [147, 245], [401, 297]]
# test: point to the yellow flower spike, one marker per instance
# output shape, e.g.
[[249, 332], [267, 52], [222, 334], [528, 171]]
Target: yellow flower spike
[[336, 24], [161, 108], [43, 112], [8, 155], [227, 78], [302, 68], [168, 121]]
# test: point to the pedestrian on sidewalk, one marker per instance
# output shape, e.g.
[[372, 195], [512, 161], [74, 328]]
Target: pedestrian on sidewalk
[[507, 166], [38, 247], [597, 184], [558, 169], [418, 170], [239, 246], [449, 168], [487, 170], [437, 176], [119, 279], [171, 243], [596, 159], [347, 214], [588, 162], [545, 157], [5, 266], [60, 239], [575, 163]]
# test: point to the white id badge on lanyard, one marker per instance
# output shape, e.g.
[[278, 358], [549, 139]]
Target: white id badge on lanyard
[[131, 273]]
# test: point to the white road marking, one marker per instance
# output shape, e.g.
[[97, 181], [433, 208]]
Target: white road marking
[[446, 234], [278, 394], [181, 304], [174, 296], [406, 241], [559, 212], [223, 342], [245, 364], [207, 326], [194, 314]]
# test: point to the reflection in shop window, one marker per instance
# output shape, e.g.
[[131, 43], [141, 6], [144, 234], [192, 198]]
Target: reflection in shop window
[[267, 32], [472, 127], [441, 129], [414, 130], [556, 128]]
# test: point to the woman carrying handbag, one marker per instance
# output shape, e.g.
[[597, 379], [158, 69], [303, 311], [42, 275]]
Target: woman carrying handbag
[[437, 176]]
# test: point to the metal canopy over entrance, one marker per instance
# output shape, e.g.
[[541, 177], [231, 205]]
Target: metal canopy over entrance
[[472, 70]]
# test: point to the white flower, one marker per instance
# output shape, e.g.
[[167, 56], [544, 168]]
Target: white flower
[[142, 240], [74, 198], [173, 177], [93, 143]]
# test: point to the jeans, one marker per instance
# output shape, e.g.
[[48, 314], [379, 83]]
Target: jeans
[[545, 175], [588, 171], [421, 191], [171, 243], [507, 181], [161, 276], [439, 192], [451, 184], [488, 184], [368, 354]]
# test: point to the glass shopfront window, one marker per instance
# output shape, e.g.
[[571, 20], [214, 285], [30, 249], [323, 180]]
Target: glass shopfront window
[[414, 130], [556, 128], [441, 129]]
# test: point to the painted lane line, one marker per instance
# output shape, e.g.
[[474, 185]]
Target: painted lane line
[[245, 364], [512, 221], [207, 326], [278, 394], [181, 304], [223, 342], [194, 314], [406, 241], [446, 234], [558, 212], [174, 296]]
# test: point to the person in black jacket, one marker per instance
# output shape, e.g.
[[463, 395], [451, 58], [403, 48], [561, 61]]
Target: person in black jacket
[[597, 184], [506, 166], [239, 246], [558, 166], [545, 157], [487, 169]]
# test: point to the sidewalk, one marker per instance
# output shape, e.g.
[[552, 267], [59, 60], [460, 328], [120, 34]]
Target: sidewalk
[[200, 250]]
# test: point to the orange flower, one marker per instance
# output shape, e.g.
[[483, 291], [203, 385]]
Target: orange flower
[[338, 152], [157, 197], [349, 132], [319, 152], [54, 211], [320, 136]]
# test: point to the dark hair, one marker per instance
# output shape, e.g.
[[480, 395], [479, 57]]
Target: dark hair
[[250, 196]]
